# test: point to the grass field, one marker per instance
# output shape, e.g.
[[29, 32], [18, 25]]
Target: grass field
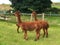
[[9, 35], [56, 5]]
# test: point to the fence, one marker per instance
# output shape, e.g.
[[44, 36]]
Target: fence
[[41, 14], [6, 16]]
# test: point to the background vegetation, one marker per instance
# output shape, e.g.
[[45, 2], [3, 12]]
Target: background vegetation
[[54, 10], [30, 5]]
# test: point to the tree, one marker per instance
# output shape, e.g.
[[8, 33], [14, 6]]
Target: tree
[[37, 5]]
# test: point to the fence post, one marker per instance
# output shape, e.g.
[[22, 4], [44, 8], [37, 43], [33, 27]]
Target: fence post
[[42, 16], [31, 18], [50, 13]]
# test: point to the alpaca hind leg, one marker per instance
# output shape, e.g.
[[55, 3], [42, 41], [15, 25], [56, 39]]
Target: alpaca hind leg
[[37, 35], [43, 32], [46, 33], [25, 35]]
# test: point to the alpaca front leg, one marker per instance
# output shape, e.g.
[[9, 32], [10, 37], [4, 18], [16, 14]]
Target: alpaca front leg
[[18, 29], [25, 35]]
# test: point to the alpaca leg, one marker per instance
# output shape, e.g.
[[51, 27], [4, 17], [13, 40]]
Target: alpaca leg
[[37, 35], [44, 32], [25, 35], [18, 29]]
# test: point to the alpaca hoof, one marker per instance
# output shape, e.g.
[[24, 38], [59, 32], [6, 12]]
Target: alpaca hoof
[[18, 32], [26, 38], [43, 36], [35, 40], [46, 36]]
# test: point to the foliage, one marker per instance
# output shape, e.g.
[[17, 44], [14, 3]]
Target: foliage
[[37, 5], [55, 10]]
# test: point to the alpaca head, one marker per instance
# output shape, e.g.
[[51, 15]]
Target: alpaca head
[[17, 13], [34, 13], [18, 17]]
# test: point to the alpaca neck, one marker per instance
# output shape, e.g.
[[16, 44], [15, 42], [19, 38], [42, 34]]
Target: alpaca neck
[[35, 18], [34, 14], [19, 20]]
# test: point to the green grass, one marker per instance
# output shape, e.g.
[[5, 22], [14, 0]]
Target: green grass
[[9, 35], [56, 6]]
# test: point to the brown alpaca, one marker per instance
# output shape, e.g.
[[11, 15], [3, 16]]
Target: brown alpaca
[[28, 26], [44, 24]]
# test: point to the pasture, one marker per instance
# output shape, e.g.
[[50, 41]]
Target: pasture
[[56, 5], [9, 35]]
